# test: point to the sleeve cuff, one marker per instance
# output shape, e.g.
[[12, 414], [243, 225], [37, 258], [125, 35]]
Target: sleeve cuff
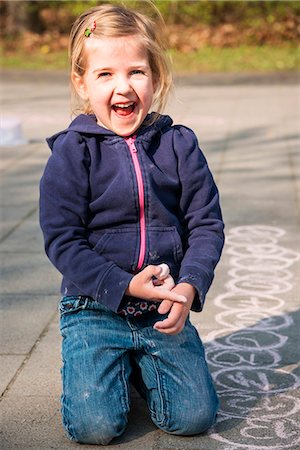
[[201, 283], [112, 288]]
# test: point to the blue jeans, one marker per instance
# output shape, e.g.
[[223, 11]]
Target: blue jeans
[[102, 352]]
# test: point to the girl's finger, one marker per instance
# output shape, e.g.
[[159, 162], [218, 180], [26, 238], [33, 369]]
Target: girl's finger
[[165, 306], [149, 272], [171, 295], [167, 283], [163, 294], [174, 319], [169, 326], [169, 322]]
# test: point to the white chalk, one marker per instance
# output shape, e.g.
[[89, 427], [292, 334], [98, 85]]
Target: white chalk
[[165, 271]]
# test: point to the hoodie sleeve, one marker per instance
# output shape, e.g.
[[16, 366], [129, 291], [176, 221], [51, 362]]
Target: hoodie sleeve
[[64, 209], [202, 218]]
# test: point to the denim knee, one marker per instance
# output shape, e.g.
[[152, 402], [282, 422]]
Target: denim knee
[[94, 430], [190, 421]]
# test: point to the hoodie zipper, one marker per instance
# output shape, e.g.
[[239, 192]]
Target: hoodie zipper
[[141, 195]]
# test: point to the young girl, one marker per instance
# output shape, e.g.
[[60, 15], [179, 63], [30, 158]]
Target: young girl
[[124, 194]]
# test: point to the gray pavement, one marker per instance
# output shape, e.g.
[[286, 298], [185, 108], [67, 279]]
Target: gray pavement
[[249, 130]]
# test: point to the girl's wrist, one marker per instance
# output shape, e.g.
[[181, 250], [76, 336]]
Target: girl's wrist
[[130, 289], [187, 290]]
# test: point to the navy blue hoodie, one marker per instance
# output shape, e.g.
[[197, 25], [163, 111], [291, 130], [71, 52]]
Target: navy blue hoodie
[[110, 206]]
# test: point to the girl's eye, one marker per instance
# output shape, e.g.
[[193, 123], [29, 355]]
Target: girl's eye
[[103, 74], [137, 72]]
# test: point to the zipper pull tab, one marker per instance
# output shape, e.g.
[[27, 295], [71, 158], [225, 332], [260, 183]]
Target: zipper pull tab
[[131, 144]]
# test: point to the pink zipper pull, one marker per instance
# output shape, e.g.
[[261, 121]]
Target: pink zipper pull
[[131, 144]]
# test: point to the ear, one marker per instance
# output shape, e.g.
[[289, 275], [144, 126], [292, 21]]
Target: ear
[[79, 85]]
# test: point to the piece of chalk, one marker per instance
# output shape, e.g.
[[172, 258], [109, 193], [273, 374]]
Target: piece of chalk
[[165, 271]]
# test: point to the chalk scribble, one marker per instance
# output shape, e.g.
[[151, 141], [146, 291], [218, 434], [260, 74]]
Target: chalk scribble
[[245, 353]]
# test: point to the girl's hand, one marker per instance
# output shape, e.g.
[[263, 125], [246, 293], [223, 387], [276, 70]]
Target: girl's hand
[[143, 286], [175, 321]]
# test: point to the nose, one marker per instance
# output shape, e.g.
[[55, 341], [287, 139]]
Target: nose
[[123, 85]]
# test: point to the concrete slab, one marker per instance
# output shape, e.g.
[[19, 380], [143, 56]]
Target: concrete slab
[[43, 107], [26, 238], [9, 364], [41, 374], [11, 216], [27, 422], [22, 191], [13, 156], [27, 274], [24, 318], [20, 179]]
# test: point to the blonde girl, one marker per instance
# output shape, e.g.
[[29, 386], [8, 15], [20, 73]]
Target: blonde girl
[[131, 218]]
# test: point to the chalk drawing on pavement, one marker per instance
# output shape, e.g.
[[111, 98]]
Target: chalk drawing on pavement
[[245, 353]]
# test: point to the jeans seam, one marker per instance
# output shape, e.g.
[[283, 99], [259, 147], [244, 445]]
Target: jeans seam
[[65, 420], [125, 399], [161, 395]]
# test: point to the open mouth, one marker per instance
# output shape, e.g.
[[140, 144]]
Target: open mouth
[[124, 109]]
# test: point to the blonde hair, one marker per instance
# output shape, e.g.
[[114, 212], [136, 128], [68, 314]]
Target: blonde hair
[[119, 21]]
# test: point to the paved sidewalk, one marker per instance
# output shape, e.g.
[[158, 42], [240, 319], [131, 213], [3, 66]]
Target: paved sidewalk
[[250, 133]]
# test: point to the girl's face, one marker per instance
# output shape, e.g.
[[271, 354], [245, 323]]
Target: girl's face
[[118, 82]]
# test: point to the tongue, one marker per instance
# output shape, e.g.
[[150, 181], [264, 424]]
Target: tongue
[[124, 111]]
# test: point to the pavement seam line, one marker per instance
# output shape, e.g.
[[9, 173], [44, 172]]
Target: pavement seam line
[[14, 162], [18, 224], [28, 355]]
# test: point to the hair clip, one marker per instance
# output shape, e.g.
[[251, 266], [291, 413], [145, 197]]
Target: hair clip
[[89, 31]]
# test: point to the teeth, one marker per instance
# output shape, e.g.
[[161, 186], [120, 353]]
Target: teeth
[[122, 105]]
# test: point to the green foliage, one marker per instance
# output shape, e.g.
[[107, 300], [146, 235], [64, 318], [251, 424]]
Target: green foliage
[[190, 12], [217, 12], [186, 12]]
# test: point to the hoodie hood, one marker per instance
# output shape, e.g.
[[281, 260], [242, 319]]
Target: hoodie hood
[[87, 125]]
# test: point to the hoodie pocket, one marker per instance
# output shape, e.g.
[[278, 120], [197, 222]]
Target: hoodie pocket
[[119, 246], [165, 245]]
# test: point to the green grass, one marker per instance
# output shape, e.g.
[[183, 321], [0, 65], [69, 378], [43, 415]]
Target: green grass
[[238, 59], [39, 60], [208, 59]]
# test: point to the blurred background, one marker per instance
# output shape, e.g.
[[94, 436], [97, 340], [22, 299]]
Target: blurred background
[[203, 36]]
